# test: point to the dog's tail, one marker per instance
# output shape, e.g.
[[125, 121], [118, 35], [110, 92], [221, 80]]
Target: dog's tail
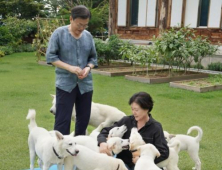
[[31, 116], [200, 132]]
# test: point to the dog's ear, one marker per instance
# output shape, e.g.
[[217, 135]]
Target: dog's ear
[[111, 145], [59, 136], [172, 136], [52, 95]]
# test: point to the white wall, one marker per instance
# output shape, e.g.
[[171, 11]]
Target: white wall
[[122, 8], [176, 13]]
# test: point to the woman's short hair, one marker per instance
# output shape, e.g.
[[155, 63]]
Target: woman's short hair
[[143, 99], [80, 11]]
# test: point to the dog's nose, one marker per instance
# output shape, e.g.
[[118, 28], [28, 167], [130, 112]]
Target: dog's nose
[[77, 151], [51, 111]]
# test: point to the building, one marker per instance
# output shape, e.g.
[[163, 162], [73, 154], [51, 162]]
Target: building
[[141, 19]]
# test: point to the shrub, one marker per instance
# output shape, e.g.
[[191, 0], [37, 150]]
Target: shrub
[[5, 36], [2, 54], [18, 28], [108, 50], [198, 66], [101, 48], [7, 50], [114, 44], [181, 47], [215, 66]]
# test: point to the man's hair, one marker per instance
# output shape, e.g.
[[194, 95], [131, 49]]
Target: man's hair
[[80, 11], [143, 99]]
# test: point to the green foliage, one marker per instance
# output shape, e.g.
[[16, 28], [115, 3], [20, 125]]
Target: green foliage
[[2, 54], [20, 48], [114, 43], [14, 30], [203, 48], [5, 36], [215, 66], [46, 28], [175, 46], [21, 8], [7, 50], [101, 48], [198, 66], [138, 54], [181, 47], [216, 79], [108, 50]]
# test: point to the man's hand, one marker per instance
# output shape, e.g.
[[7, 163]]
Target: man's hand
[[76, 70], [84, 73], [103, 148]]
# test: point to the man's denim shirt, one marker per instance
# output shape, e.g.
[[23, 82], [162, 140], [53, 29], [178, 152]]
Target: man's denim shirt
[[77, 52]]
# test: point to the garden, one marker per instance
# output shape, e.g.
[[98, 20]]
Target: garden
[[25, 84]]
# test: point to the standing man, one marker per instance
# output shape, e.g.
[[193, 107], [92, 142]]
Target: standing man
[[72, 51]]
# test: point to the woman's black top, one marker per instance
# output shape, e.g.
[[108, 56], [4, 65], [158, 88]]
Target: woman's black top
[[152, 133]]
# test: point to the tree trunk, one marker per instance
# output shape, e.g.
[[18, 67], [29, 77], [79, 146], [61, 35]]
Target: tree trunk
[[163, 15], [112, 16]]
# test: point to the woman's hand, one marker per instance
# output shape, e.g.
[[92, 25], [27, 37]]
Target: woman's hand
[[103, 148], [135, 159]]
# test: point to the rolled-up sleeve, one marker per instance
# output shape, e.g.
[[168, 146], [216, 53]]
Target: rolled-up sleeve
[[53, 48]]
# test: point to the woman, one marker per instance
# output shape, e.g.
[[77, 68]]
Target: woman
[[150, 130]]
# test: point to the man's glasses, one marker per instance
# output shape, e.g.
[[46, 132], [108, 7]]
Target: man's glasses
[[82, 26]]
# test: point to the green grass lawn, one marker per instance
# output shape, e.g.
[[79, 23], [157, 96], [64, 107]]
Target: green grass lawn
[[25, 84]]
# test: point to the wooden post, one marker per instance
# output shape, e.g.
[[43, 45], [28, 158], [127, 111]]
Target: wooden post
[[112, 16], [163, 15]]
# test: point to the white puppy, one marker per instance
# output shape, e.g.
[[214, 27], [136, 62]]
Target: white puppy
[[117, 131], [90, 160], [188, 143], [117, 144], [148, 153], [50, 150], [135, 140], [99, 113], [170, 163]]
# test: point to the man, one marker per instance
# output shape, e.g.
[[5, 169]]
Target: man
[[72, 50]]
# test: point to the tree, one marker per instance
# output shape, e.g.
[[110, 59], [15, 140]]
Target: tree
[[55, 5], [26, 9], [112, 16]]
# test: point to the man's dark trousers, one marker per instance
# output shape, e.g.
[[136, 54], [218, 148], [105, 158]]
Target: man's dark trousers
[[64, 106]]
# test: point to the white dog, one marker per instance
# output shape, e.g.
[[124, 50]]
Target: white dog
[[170, 163], [50, 150], [117, 144], [148, 153], [117, 131], [188, 143], [99, 113], [90, 160]]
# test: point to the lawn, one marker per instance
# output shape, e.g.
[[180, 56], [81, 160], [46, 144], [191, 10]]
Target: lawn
[[25, 84]]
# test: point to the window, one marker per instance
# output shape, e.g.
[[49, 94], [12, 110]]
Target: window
[[143, 13], [204, 11], [134, 9]]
